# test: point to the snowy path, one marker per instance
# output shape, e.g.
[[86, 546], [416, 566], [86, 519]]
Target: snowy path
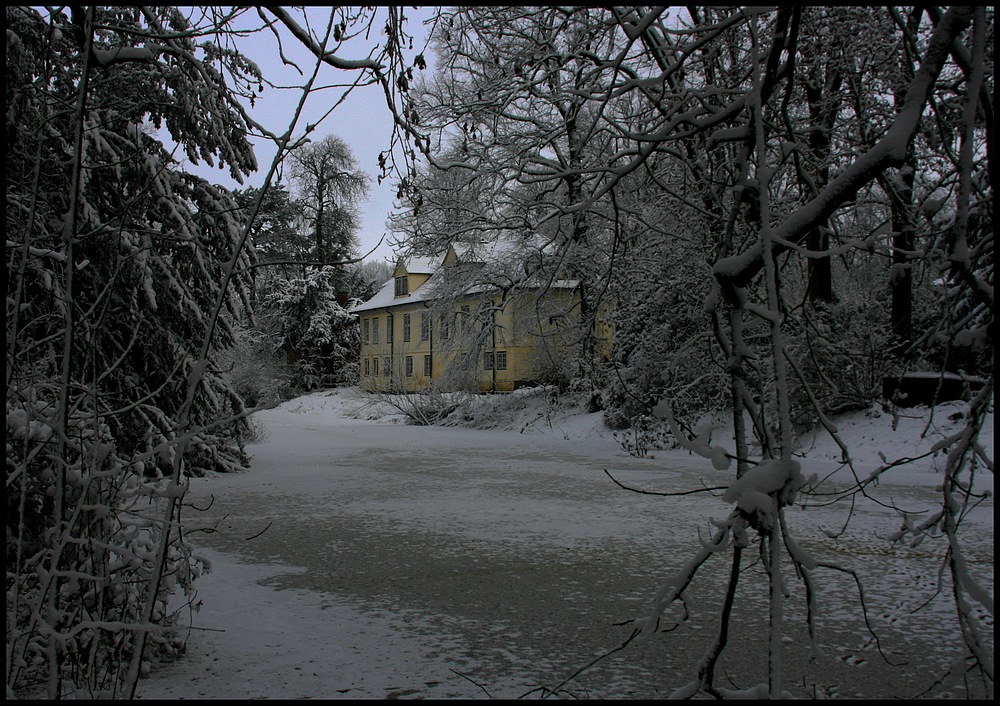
[[404, 561]]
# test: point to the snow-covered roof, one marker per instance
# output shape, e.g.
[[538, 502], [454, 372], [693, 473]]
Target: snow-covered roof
[[502, 250], [499, 254], [383, 297], [422, 265], [386, 295]]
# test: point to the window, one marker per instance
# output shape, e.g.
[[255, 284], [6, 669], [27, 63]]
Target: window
[[375, 367], [402, 286], [425, 327], [428, 365], [466, 318], [445, 326], [406, 327], [488, 360], [501, 360], [409, 366], [388, 328], [367, 368], [375, 331], [364, 331], [387, 365]]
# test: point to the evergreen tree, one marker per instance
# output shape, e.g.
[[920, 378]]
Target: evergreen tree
[[311, 328]]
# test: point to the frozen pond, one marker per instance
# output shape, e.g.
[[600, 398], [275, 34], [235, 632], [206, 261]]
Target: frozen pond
[[384, 560]]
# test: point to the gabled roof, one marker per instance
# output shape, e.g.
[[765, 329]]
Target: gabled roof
[[421, 265], [413, 265], [500, 256]]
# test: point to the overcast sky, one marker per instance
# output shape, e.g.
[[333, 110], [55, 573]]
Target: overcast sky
[[362, 120]]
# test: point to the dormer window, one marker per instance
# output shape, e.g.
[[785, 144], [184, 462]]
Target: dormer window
[[402, 286]]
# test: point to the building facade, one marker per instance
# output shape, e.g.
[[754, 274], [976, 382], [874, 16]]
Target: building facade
[[435, 323]]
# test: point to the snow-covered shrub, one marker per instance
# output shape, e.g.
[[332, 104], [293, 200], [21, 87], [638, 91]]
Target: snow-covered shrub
[[511, 410], [105, 554], [953, 325], [647, 433], [841, 352], [422, 408], [256, 372], [662, 352]]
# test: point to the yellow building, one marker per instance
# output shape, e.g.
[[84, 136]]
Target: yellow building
[[461, 321]]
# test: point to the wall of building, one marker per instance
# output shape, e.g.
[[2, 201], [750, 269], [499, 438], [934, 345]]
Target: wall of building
[[473, 342]]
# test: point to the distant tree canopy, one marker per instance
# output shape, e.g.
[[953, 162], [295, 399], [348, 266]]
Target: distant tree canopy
[[329, 186], [655, 151], [311, 328], [316, 224]]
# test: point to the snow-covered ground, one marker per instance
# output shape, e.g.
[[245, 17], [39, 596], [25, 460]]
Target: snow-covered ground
[[366, 558]]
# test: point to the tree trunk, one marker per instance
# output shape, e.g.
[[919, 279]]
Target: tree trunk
[[903, 241], [824, 103]]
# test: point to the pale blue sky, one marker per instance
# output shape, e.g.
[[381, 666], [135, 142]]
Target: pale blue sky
[[362, 120]]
